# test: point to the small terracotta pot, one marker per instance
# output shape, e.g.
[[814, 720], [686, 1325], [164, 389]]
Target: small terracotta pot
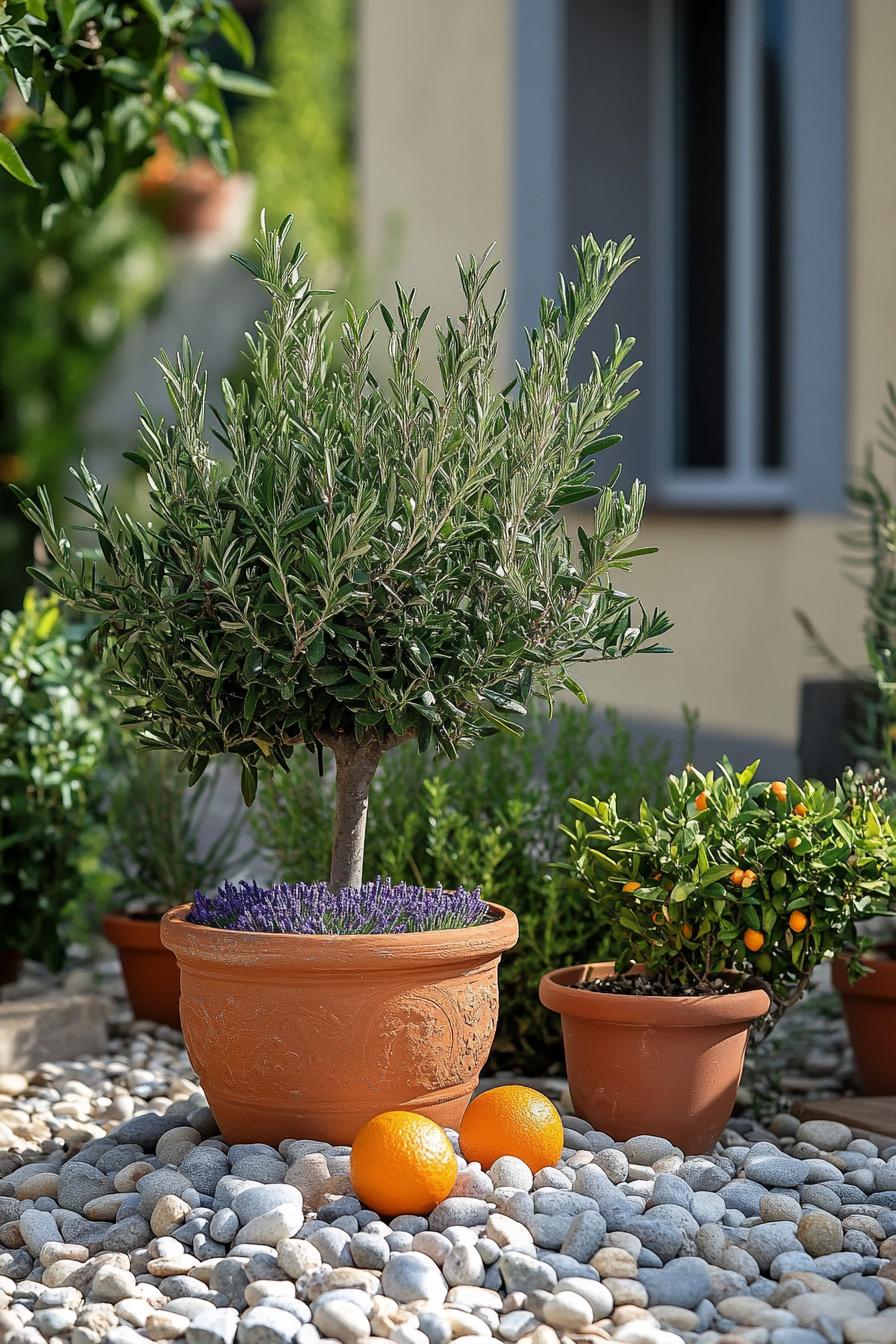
[[149, 969], [869, 1007], [309, 1036], [643, 1064], [11, 962]]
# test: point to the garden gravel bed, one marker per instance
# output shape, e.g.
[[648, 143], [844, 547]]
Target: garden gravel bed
[[124, 1217]]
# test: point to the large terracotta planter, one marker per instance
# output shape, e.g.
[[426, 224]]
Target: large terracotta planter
[[308, 1036], [651, 1065], [869, 1007], [149, 969]]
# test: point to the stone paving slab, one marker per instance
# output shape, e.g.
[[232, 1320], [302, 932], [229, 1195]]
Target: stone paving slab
[[53, 1027], [874, 1117]]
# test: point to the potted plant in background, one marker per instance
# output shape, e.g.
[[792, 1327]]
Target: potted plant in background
[[725, 900], [869, 1003], [381, 561], [55, 730], [869, 999], [164, 842]]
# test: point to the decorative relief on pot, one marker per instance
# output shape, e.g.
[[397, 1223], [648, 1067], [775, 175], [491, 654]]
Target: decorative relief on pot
[[430, 1038]]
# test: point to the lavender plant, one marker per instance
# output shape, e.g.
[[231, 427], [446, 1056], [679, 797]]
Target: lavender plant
[[382, 560], [300, 907]]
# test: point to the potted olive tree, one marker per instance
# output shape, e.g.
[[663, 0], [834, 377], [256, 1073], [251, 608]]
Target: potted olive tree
[[726, 899], [380, 560]]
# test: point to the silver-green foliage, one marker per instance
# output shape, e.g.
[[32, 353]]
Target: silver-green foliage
[[380, 559]]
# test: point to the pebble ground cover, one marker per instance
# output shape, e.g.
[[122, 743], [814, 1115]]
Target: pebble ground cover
[[124, 1217]]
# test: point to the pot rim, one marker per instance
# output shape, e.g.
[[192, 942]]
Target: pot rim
[[124, 930], [881, 984], [556, 992], [199, 942]]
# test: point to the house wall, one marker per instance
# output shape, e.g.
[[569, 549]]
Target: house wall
[[436, 151]]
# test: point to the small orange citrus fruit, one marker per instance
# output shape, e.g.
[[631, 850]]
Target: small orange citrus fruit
[[779, 789], [512, 1121], [754, 941], [700, 802], [749, 878], [801, 810], [630, 887], [737, 877], [793, 841], [402, 1162], [687, 930], [798, 922]]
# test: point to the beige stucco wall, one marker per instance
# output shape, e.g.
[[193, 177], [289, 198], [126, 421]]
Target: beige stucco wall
[[434, 141], [435, 160]]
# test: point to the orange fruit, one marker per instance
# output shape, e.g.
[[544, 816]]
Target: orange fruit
[[687, 930], [779, 789], [402, 1162], [700, 802], [793, 841], [798, 922], [511, 1121], [801, 810], [737, 877], [749, 878], [630, 887], [754, 941]]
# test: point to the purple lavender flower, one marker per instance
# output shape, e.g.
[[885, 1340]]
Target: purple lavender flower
[[301, 907]]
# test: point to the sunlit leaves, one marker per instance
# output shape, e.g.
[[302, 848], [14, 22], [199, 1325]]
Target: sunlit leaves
[[798, 864], [378, 556]]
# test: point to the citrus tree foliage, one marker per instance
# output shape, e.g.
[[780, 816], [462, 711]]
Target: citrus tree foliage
[[101, 80], [732, 874], [380, 559], [55, 728]]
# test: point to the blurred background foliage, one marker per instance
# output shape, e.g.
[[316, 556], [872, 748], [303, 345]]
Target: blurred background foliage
[[72, 293]]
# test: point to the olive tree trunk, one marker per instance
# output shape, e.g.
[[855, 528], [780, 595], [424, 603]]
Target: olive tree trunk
[[356, 765]]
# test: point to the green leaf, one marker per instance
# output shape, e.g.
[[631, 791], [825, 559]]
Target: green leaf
[[12, 162], [235, 33], [248, 782], [236, 81]]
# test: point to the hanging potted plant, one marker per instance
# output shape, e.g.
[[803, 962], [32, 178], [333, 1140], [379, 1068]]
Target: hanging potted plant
[[164, 842], [55, 730], [379, 561], [725, 900]]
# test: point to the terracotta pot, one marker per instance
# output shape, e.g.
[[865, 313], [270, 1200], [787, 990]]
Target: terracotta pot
[[652, 1065], [869, 1007], [11, 961], [149, 969], [308, 1036]]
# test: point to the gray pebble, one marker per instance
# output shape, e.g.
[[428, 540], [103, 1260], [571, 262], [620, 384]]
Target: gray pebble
[[410, 1276]]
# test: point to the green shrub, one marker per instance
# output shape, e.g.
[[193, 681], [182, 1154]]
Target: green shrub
[[732, 874], [492, 817], [54, 731], [163, 843]]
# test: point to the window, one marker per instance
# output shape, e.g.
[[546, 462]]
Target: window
[[719, 71]]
